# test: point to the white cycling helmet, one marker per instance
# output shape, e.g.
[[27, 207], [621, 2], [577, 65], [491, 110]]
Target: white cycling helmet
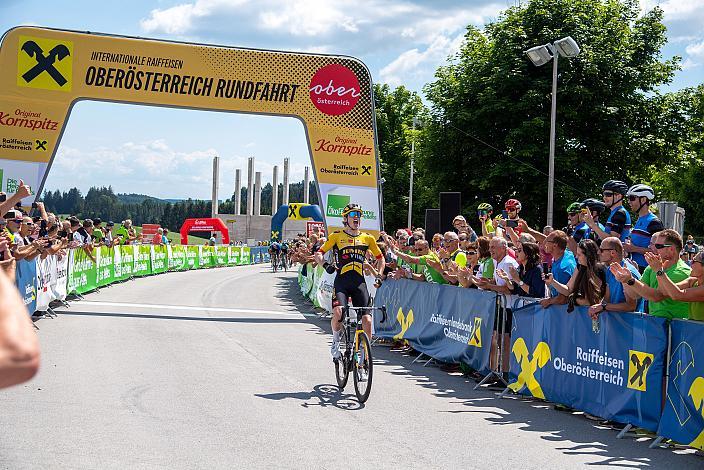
[[641, 190]]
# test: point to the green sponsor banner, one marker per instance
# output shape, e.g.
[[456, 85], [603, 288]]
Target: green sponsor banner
[[105, 258], [233, 255], [245, 256], [205, 256], [124, 266], [177, 257], [159, 259], [81, 272], [192, 257], [221, 255], [142, 260]]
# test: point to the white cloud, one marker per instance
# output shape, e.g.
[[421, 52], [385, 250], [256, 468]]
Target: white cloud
[[695, 53], [416, 63]]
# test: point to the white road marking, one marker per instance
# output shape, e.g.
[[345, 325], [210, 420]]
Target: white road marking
[[190, 308]]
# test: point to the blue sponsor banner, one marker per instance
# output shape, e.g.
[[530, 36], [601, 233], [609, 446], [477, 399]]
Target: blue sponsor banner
[[26, 281], [614, 371], [683, 417], [259, 254], [448, 323]]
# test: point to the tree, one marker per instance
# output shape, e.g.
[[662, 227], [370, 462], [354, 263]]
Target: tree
[[681, 181], [395, 110], [491, 106]]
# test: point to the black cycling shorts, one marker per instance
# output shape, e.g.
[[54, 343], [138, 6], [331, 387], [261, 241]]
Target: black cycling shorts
[[351, 287]]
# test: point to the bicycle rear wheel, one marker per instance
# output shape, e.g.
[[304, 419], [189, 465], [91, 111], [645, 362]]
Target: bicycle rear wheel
[[342, 365], [363, 368]]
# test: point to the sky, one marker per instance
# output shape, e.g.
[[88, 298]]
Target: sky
[[168, 152]]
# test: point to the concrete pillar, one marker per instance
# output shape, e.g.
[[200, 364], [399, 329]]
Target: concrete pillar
[[216, 171], [250, 185], [258, 193], [306, 185], [285, 201], [275, 191], [238, 191]]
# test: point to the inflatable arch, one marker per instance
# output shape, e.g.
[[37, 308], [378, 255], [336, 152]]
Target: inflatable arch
[[44, 72], [204, 225], [293, 211]]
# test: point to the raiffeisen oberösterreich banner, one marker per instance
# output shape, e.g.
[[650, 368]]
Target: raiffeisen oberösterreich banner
[[43, 72]]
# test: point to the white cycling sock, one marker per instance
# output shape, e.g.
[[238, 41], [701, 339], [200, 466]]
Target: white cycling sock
[[336, 335]]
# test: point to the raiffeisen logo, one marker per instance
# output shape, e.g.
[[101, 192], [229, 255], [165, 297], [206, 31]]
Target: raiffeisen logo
[[334, 89]]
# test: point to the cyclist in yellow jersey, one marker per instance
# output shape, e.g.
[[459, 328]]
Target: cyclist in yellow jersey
[[351, 248]]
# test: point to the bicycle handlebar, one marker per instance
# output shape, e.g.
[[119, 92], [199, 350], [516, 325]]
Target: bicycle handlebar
[[382, 309]]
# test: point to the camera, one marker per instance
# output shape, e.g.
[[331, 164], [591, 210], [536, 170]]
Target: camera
[[512, 223], [3, 197], [34, 205]]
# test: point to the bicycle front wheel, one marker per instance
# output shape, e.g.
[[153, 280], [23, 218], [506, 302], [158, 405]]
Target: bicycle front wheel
[[362, 366], [342, 365]]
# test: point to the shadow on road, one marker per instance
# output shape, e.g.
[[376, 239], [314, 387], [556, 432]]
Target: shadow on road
[[579, 435], [322, 395]]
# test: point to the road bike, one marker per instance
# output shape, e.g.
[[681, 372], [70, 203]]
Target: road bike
[[356, 353], [284, 261], [274, 261]]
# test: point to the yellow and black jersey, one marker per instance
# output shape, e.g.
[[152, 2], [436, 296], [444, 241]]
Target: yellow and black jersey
[[350, 251]]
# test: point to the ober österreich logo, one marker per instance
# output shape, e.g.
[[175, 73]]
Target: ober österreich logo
[[334, 89], [44, 63]]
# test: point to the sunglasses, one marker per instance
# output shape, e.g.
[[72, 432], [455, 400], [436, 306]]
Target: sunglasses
[[608, 193], [660, 246], [482, 212], [355, 214], [471, 253], [601, 250]]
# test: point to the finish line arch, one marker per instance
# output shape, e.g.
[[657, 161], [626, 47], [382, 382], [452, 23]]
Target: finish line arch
[[293, 211], [44, 72]]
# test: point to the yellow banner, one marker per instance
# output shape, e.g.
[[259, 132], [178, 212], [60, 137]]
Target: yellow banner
[[43, 72]]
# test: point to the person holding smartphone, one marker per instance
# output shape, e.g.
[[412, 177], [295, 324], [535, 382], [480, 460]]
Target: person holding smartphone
[[563, 266], [510, 216], [484, 213]]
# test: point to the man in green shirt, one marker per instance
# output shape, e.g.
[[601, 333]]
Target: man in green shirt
[[423, 255], [97, 234], [667, 244]]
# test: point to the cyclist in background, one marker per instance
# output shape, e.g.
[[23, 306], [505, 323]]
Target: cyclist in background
[[618, 223], [351, 246], [274, 251], [485, 211], [284, 254], [639, 198]]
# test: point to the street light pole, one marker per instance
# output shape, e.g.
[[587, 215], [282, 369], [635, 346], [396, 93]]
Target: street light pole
[[541, 55], [410, 189], [551, 158]]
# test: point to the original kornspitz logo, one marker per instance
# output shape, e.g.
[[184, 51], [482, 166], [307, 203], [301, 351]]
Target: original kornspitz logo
[[334, 89], [44, 63]]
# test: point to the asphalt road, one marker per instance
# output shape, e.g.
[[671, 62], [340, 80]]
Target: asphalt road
[[229, 368]]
